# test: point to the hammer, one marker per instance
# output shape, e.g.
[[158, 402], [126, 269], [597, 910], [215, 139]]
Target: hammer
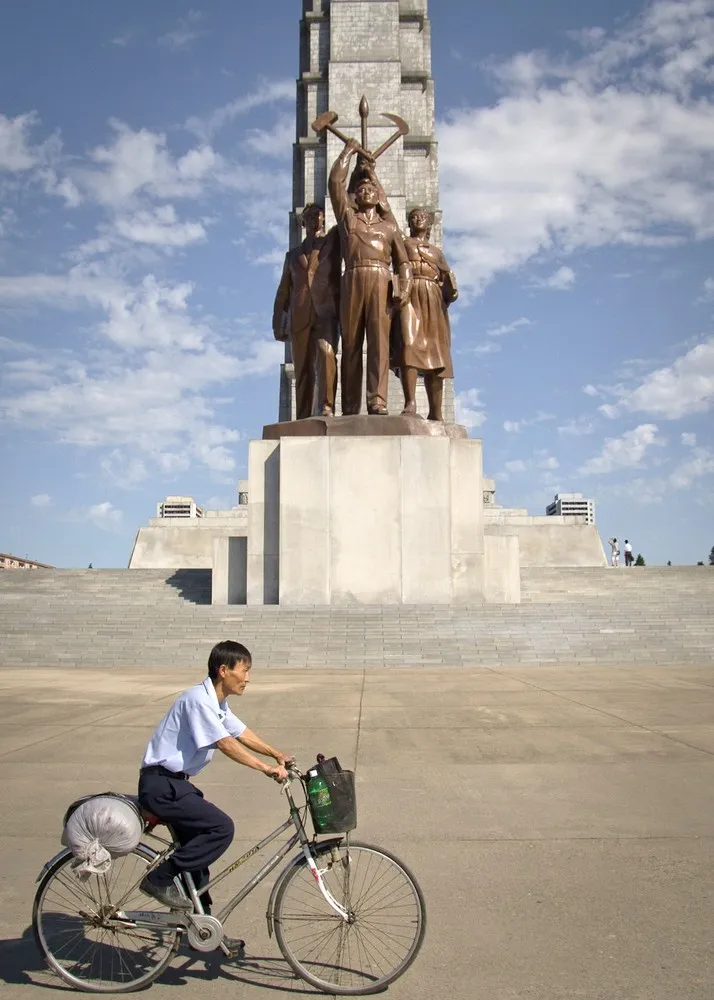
[[326, 122]]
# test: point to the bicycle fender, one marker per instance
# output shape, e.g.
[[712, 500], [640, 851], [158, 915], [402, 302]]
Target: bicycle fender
[[298, 860], [65, 852]]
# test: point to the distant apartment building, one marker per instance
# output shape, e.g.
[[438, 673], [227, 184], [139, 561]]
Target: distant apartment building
[[178, 507], [15, 562], [572, 505]]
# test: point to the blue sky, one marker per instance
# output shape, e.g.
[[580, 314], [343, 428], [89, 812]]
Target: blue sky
[[145, 179]]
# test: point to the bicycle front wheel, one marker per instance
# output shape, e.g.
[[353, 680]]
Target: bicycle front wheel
[[73, 926], [385, 930]]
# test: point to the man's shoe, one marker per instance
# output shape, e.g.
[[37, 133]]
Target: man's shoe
[[233, 948], [166, 894], [378, 411]]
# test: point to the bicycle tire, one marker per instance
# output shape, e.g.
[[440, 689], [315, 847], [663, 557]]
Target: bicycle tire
[[348, 951], [56, 914]]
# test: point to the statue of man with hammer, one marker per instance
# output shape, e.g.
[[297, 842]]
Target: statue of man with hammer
[[371, 246]]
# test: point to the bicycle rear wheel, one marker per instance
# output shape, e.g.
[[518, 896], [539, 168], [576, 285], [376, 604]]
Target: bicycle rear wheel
[[385, 930], [70, 920]]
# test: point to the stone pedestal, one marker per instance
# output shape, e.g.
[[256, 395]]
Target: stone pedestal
[[363, 425], [366, 520]]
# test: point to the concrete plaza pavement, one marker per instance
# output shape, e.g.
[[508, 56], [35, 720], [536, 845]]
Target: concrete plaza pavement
[[559, 820]]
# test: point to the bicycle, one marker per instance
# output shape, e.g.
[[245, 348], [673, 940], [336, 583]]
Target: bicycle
[[349, 918]]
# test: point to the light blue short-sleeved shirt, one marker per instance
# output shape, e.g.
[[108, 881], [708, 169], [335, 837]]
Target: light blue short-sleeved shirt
[[186, 737]]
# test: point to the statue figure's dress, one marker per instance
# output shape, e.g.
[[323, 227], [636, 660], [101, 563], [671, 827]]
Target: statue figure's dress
[[422, 332]]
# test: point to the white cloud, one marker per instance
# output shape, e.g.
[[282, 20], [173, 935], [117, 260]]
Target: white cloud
[[149, 315], [276, 141], [103, 515], [559, 281], [517, 465], [28, 371], [62, 187], [275, 257], [500, 331], [707, 291], [624, 452], [8, 344], [549, 463], [159, 227], [267, 92], [469, 409], [144, 398], [678, 390], [641, 490], [516, 426], [19, 155], [7, 220], [577, 428], [699, 463], [590, 390], [136, 177], [123, 38], [124, 470], [689, 440], [619, 148], [140, 162], [41, 500], [184, 32], [609, 410], [16, 152]]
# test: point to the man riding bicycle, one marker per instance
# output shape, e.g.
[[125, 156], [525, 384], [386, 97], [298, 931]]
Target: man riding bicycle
[[197, 724]]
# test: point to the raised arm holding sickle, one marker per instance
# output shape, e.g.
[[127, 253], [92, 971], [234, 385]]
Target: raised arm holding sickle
[[371, 246]]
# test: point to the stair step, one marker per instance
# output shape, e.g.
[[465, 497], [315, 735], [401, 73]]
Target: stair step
[[161, 618]]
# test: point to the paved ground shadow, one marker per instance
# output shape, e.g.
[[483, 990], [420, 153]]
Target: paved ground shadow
[[21, 964]]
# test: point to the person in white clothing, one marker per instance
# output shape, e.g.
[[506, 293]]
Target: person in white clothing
[[614, 552], [197, 724]]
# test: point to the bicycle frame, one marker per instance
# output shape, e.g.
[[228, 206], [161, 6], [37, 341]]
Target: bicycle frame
[[152, 918]]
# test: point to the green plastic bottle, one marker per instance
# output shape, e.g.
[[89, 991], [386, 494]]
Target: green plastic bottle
[[318, 792]]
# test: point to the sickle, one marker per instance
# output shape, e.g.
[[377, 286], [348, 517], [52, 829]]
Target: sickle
[[403, 129]]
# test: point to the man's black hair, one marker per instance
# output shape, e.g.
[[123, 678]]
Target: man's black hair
[[229, 653]]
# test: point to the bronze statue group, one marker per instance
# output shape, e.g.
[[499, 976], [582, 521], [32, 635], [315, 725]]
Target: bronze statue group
[[363, 279]]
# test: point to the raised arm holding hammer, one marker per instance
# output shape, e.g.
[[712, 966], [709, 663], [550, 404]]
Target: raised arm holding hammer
[[371, 246]]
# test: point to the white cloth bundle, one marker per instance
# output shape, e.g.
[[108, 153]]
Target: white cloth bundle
[[100, 828]]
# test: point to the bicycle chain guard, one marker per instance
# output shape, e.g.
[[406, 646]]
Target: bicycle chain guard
[[204, 933]]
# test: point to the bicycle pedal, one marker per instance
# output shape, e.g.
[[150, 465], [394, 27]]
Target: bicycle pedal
[[233, 948]]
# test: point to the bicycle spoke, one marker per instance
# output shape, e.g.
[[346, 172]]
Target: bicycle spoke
[[90, 951], [379, 941]]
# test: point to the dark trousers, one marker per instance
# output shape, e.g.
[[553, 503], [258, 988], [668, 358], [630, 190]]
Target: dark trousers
[[365, 311], [202, 829]]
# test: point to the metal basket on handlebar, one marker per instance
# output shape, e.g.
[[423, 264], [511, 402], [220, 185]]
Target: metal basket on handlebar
[[343, 798]]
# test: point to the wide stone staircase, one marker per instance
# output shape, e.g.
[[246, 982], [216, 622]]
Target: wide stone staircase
[[163, 618]]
